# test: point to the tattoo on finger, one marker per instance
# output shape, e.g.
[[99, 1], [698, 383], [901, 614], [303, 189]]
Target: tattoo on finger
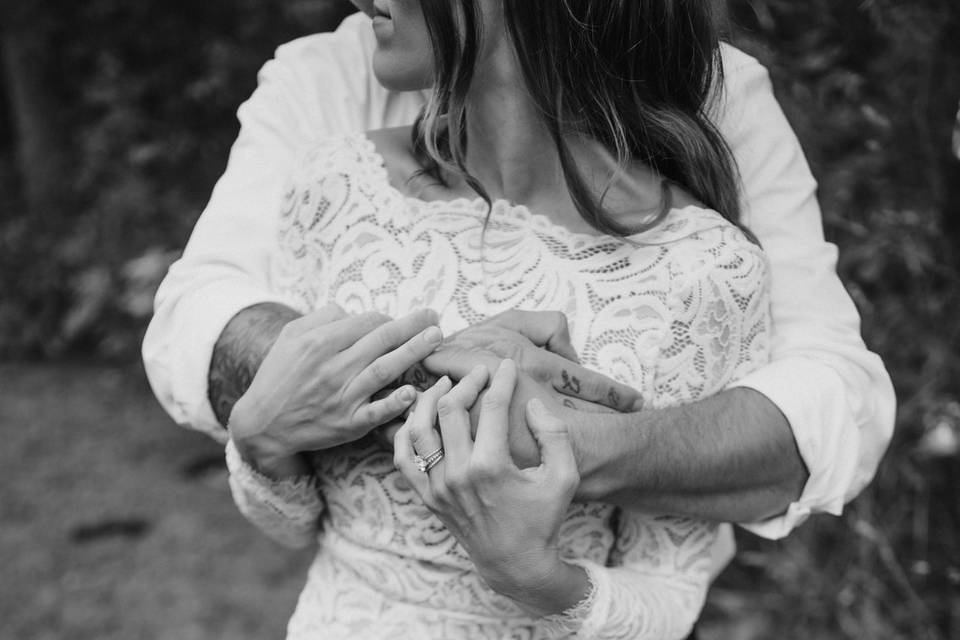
[[613, 398], [570, 383]]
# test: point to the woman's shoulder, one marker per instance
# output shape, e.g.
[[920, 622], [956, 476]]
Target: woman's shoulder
[[700, 242], [695, 227]]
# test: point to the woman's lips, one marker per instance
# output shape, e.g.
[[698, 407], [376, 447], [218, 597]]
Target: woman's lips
[[381, 9]]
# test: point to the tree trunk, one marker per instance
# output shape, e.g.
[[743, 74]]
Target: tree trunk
[[41, 153]]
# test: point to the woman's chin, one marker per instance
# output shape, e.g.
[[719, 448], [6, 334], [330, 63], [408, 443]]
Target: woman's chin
[[395, 77]]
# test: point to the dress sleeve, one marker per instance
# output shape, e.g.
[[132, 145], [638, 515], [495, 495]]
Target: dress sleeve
[[658, 573], [835, 393], [315, 87], [287, 511]]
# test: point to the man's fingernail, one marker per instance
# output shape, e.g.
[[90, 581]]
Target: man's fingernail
[[408, 395], [433, 335]]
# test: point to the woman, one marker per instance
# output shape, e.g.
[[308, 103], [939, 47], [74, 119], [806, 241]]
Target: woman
[[604, 193]]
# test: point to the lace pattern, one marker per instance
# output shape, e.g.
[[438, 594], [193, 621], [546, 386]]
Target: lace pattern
[[678, 312], [295, 502]]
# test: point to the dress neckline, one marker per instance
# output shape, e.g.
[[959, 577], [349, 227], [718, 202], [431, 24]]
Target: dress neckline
[[679, 222]]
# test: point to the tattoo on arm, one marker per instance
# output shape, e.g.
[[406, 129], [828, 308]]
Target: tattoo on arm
[[239, 352]]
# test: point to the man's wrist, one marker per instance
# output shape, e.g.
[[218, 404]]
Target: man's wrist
[[262, 453], [594, 439]]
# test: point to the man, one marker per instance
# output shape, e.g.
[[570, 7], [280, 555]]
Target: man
[[803, 434]]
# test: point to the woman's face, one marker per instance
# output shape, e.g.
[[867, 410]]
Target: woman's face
[[403, 59]]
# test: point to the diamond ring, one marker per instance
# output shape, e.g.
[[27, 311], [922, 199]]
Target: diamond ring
[[425, 463]]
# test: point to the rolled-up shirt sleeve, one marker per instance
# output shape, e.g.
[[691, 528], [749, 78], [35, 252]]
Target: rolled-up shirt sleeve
[[315, 86], [835, 393]]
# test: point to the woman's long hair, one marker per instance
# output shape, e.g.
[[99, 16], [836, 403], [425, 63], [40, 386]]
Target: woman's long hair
[[637, 76]]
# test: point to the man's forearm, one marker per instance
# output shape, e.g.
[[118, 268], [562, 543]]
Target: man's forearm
[[729, 458], [239, 351]]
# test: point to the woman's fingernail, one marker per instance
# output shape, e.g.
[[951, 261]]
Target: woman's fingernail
[[433, 335], [408, 394]]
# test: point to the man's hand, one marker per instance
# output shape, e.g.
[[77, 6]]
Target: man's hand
[[523, 445], [314, 388], [539, 342]]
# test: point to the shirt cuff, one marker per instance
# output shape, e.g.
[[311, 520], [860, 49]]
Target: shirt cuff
[[182, 362], [811, 396]]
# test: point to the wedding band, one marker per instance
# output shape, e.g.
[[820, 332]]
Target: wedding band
[[425, 463]]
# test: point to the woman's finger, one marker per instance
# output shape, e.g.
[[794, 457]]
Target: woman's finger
[[421, 423], [454, 415], [403, 460], [556, 453], [491, 444]]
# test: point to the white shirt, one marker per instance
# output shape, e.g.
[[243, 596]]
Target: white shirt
[[835, 393]]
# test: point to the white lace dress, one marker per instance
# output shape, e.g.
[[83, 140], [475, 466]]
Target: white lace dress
[[678, 313]]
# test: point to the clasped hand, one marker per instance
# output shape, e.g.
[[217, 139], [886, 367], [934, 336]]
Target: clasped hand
[[506, 518], [331, 378]]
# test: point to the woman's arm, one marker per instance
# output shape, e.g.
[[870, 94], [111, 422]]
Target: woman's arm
[[288, 510]]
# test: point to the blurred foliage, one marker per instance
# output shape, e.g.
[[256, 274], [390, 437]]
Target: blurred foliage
[[148, 91], [872, 88]]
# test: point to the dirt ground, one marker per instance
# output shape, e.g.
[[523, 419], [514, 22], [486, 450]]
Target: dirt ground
[[116, 524]]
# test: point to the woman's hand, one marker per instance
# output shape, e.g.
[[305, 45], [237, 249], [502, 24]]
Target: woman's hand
[[507, 519], [314, 389]]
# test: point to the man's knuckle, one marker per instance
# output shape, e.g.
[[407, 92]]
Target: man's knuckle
[[369, 414], [380, 372], [483, 469], [456, 480]]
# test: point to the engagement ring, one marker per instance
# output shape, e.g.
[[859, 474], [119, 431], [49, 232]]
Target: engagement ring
[[425, 463]]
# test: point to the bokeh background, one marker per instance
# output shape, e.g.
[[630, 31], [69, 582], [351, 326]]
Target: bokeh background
[[116, 119]]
